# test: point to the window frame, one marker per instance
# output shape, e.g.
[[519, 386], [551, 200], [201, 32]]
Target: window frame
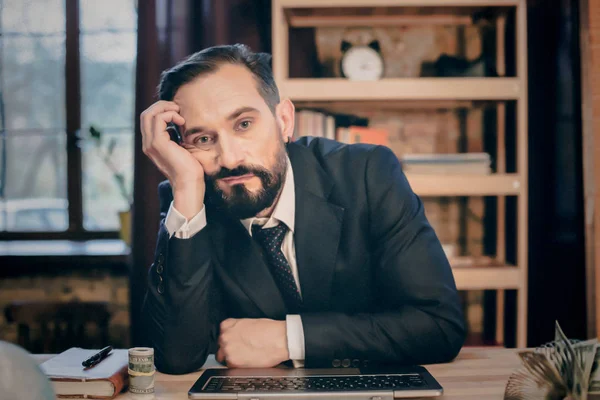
[[73, 99]]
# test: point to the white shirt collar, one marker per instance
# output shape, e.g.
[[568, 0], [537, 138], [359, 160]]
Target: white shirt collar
[[284, 210]]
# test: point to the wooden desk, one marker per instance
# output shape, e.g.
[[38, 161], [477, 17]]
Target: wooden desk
[[477, 374]]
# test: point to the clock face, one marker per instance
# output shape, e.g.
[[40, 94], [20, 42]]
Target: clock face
[[362, 63]]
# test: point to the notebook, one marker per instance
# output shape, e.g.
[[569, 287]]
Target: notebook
[[71, 380]]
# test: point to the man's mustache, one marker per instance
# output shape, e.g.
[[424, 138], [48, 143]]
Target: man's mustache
[[239, 171]]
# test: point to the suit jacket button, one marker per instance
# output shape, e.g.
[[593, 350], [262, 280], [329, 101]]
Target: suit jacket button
[[161, 287], [159, 268], [356, 363], [336, 363], [346, 363]]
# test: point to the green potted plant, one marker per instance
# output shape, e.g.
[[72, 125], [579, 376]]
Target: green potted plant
[[105, 155]]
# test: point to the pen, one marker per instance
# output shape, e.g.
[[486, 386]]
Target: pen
[[96, 358]]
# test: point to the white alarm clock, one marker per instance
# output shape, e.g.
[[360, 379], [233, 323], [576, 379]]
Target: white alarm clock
[[361, 63]]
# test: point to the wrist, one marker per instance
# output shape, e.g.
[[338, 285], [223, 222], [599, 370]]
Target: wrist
[[188, 198], [283, 347], [189, 183]]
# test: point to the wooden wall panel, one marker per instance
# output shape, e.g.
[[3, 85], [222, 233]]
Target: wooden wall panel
[[590, 92]]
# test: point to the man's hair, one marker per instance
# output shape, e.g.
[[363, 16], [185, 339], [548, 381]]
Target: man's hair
[[210, 60]]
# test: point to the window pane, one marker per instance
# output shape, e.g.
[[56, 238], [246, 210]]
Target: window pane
[[108, 73], [33, 16], [35, 194], [108, 14], [103, 193], [108, 54], [2, 179], [33, 82]]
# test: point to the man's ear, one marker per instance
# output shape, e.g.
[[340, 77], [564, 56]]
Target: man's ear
[[284, 113]]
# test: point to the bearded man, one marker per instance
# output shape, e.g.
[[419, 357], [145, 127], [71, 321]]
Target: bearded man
[[309, 252]]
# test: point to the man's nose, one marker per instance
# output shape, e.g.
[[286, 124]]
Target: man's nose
[[231, 152]]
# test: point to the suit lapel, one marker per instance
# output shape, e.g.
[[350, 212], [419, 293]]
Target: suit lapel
[[246, 265], [317, 229]]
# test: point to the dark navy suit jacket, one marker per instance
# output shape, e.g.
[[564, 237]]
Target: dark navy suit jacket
[[376, 284]]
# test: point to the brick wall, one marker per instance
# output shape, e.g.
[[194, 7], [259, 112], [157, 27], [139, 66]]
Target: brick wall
[[92, 285]]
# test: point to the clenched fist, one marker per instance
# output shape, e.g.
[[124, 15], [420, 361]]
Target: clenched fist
[[252, 343]]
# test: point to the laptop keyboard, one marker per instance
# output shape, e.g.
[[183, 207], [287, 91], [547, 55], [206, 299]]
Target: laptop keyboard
[[314, 383]]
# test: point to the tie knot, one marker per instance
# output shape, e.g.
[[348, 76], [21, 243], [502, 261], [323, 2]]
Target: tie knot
[[270, 236]]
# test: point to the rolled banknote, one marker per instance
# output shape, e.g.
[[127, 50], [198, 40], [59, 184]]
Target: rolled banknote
[[141, 370]]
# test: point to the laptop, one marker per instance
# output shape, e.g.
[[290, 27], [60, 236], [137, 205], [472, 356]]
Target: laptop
[[373, 383]]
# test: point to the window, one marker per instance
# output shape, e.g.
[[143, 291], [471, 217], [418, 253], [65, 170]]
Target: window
[[66, 66]]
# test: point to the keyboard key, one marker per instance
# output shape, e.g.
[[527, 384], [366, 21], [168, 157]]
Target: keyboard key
[[334, 383]]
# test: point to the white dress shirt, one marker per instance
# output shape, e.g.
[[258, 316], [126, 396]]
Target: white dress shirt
[[284, 212]]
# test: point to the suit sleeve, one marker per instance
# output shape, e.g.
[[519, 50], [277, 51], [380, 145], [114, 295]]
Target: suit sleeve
[[419, 318], [181, 310]]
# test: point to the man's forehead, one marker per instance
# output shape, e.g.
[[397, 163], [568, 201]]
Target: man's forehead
[[229, 81], [219, 94]]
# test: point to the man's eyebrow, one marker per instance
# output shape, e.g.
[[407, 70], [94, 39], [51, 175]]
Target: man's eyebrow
[[232, 116], [191, 131], [240, 111]]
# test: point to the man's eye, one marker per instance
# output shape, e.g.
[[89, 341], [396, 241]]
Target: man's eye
[[244, 125], [203, 140]]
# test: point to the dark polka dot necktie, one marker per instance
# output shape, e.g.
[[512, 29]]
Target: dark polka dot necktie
[[271, 239]]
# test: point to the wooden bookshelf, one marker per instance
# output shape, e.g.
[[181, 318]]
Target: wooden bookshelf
[[389, 94]]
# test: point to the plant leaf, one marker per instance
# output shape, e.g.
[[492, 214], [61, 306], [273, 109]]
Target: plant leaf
[[95, 134]]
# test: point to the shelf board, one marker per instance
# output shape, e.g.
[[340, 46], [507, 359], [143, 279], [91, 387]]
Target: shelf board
[[422, 5], [495, 277], [318, 21], [400, 13], [465, 185], [382, 106], [339, 89], [473, 261]]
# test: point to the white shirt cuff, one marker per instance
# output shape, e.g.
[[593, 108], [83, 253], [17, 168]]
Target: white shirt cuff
[[179, 226], [295, 339]]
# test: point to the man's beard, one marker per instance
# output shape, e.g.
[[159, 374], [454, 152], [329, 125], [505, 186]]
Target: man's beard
[[241, 203]]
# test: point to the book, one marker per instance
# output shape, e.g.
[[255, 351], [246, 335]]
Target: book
[[362, 134], [71, 380], [317, 123]]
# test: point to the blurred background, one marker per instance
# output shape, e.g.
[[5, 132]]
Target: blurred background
[[492, 106]]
